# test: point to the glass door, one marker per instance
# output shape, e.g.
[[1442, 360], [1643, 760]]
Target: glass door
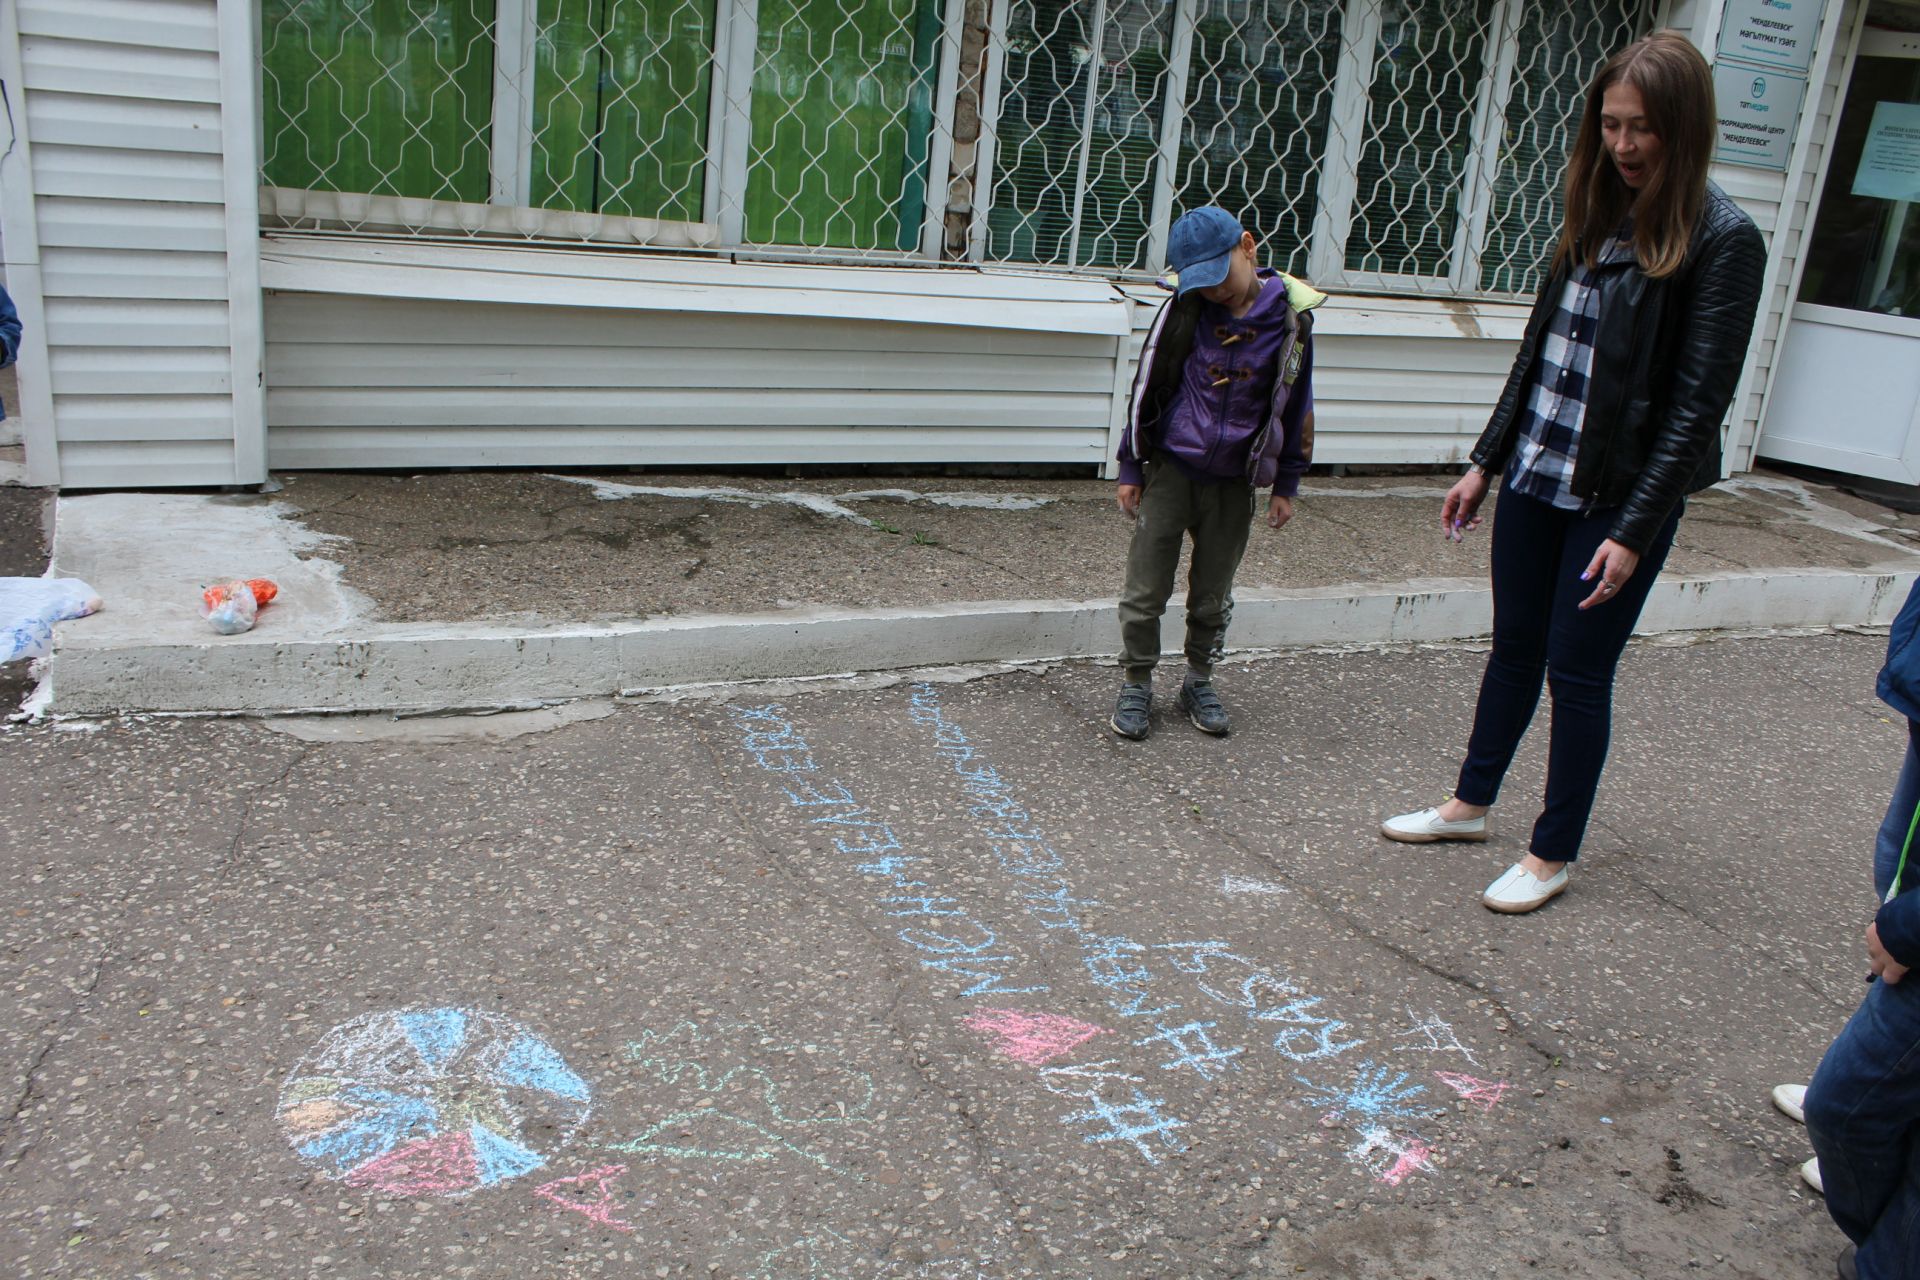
[[1846, 394]]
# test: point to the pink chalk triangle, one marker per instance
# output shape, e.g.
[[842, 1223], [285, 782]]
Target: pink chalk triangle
[[439, 1166], [600, 1208], [1032, 1038]]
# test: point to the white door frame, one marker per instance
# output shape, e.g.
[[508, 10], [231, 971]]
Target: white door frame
[[1862, 42]]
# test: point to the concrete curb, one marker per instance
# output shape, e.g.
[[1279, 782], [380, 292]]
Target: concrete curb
[[423, 667]]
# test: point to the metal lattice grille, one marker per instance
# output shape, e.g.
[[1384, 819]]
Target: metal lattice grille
[[1078, 133], [405, 91], [1402, 145], [1560, 47], [1259, 98], [621, 93], [576, 118], [1429, 61], [842, 122]]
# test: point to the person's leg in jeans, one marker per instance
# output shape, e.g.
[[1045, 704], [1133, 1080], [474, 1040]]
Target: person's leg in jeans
[[1223, 517], [1583, 651], [1153, 556], [1863, 1107], [1527, 534], [1863, 1114]]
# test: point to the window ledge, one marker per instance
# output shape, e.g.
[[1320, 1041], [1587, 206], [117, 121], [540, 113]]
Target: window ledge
[[1375, 316], [634, 281]]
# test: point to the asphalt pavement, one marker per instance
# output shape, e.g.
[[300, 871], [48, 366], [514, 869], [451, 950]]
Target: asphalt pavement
[[932, 979]]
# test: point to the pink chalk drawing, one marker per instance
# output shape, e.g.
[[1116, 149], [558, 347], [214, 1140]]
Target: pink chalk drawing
[[561, 1191], [1034, 1039], [1481, 1093], [426, 1167], [1388, 1158]]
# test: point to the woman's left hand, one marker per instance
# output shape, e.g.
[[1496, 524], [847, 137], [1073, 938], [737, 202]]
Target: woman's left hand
[[1612, 564]]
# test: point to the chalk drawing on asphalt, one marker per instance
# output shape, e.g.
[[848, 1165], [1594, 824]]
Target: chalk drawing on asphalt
[[1033, 1039], [1370, 1094], [1433, 1034], [1389, 1158], [431, 1102], [589, 1194], [1118, 1110], [948, 939], [1234, 886], [1481, 1093], [732, 1111]]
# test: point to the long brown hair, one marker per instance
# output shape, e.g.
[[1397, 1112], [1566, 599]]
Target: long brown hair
[[1677, 90]]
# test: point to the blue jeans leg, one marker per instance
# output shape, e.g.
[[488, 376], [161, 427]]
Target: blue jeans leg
[[1863, 1108], [1863, 1114], [1542, 636]]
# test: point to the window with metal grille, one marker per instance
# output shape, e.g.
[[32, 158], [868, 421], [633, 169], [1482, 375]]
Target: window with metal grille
[[809, 124], [1391, 145]]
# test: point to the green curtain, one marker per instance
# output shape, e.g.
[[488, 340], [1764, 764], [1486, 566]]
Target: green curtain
[[621, 105], [386, 97], [842, 112]]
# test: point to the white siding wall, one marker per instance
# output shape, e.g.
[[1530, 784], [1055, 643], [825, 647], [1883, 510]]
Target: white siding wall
[[1395, 380], [407, 356], [125, 205]]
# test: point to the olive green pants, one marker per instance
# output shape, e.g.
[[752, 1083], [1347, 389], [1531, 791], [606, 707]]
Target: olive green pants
[[1218, 516]]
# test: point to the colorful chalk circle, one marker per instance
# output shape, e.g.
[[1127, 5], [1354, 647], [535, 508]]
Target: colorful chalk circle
[[431, 1102]]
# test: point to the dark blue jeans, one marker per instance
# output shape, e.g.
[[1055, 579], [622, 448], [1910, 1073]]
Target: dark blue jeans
[[1863, 1108], [1540, 635]]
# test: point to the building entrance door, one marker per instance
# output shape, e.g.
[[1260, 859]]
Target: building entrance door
[[1847, 395]]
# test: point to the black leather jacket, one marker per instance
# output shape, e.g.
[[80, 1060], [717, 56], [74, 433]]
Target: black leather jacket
[[1667, 354]]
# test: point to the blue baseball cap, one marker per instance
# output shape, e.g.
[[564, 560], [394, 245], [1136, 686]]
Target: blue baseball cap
[[1200, 246]]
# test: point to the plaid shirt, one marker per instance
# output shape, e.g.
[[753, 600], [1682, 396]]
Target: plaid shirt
[[1549, 435]]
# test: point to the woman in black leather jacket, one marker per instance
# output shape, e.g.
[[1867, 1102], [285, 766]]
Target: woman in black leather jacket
[[1610, 418]]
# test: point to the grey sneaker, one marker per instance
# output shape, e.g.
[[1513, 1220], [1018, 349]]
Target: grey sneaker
[[1202, 704], [1130, 712]]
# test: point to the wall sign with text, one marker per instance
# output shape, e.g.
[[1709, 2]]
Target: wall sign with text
[[1777, 34], [1758, 113]]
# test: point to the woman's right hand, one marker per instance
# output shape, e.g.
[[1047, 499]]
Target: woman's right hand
[[1460, 513]]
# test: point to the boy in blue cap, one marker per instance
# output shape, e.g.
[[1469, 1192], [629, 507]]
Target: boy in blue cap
[[1222, 407]]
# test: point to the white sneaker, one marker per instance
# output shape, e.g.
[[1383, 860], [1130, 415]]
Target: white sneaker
[[1811, 1172], [1792, 1101], [1517, 890], [1427, 826]]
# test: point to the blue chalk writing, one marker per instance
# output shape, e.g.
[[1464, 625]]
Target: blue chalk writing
[[960, 945], [1195, 1049], [1133, 1120]]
